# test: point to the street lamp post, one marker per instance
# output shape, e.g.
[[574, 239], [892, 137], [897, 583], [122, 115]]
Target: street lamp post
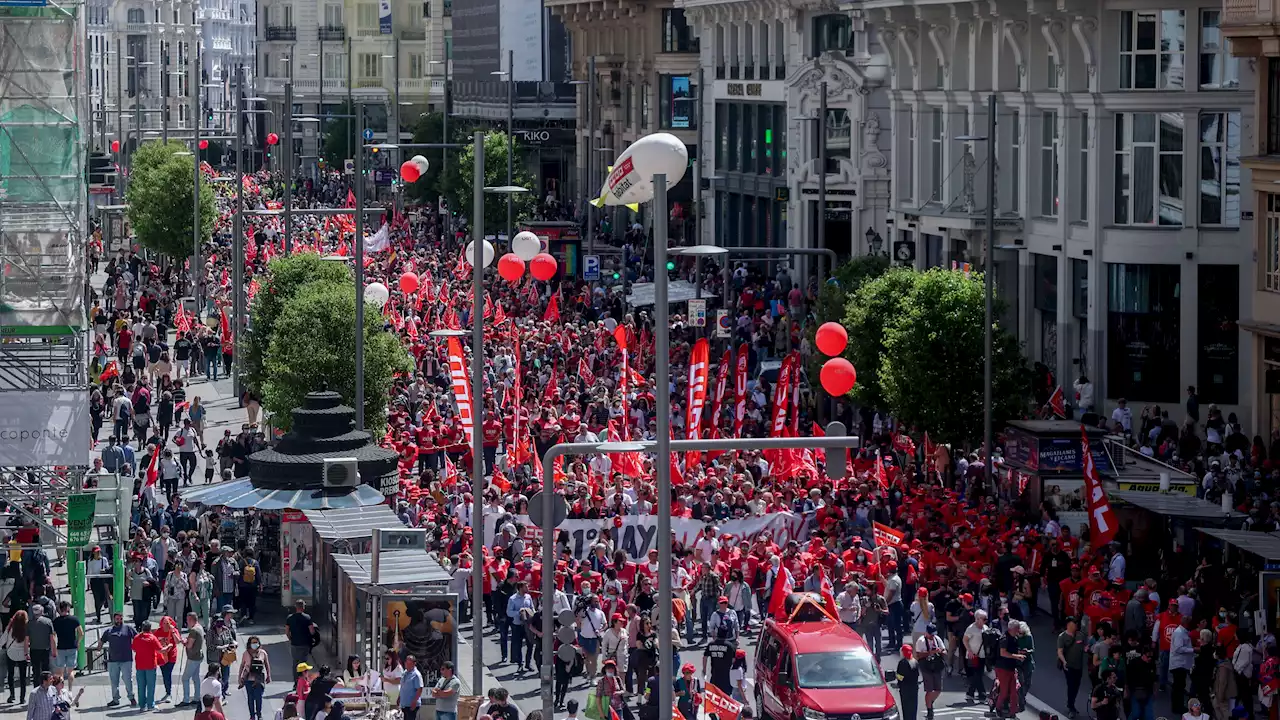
[[287, 161], [197, 269], [510, 75], [237, 265], [359, 269], [477, 407]]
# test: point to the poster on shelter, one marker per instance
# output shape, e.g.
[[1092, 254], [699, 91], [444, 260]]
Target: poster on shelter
[[424, 626]]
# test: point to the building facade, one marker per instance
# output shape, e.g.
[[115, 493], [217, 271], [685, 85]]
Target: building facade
[[227, 41], [1123, 221], [1253, 30], [389, 56]]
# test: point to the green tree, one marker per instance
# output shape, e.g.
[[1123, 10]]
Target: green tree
[[930, 373], [430, 129], [337, 137], [313, 345], [285, 277], [868, 313], [462, 173], [159, 209]]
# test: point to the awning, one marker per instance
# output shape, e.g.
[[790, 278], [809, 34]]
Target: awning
[[1176, 505], [241, 495], [352, 523], [1264, 545], [404, 567]]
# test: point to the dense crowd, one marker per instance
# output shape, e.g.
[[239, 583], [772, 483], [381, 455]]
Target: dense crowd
[[910, 548]]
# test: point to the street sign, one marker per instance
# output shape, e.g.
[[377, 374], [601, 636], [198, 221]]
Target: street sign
[[368, 134], [559, 511], [698, 313], [724, 326], [349, 166], [591, 268], [384, 176]]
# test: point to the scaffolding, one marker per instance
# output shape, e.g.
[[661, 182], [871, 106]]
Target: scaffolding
[[43, 233]]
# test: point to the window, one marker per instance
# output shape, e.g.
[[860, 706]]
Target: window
[[1220, 169], [644, 106], [1152, 44], [722, 135], [1082, 177], [838, 139], [370, 65], [1049, 164], [1218, 69], [136, 16], [1015, 150], [448, 8], [1218, 344], [1271, 277], [367, 15], [448, 44], [678, 97], [1051, 71], [416, 65], [426, 9], [1143, 331], [677, 36], [831, 32], [906, 187], [333, 16], [335, 65], [936, 126], [747, 138], [628, 99], [734, 157], [1148, 181]]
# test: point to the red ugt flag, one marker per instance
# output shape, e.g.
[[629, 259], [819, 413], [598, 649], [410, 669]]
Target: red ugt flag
[[1102, 519]]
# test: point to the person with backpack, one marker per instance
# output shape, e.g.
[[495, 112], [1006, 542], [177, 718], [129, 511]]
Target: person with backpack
[[723, 623], [932, 653], [250, 581]]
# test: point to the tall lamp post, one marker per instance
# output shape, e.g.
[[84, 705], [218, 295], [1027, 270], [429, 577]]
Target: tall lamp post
[[509, 74]]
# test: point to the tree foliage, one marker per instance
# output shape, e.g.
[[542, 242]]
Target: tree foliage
[[312, 345], [285, 277], [337, 137], [462, 173], [159, 198], [430, 129], [929, 370]]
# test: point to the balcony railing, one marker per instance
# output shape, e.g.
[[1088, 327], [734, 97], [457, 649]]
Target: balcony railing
[[369, 82], [1246, 12], [281, 32], [413, 34], [332, 32], [362, 31]]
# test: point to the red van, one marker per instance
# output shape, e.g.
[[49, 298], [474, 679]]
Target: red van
[[819, 670]]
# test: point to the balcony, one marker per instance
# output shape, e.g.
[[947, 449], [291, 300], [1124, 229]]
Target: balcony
[[362, 31], [332, 32], [286, 33], [368, 82], [413, 34], [214, 14], [221, 43]]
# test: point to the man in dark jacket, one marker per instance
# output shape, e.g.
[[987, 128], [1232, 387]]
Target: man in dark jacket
[[1135, 615]]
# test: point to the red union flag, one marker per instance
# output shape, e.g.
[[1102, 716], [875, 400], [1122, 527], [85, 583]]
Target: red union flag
[[781, 392], [1102, 519], [461, 388], [740, 391], [886, 536], [715, 701], [722, 379], [699, 359]]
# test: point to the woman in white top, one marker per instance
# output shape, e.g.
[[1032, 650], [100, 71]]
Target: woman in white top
[[738, 676], [391, 674], [212, 685]]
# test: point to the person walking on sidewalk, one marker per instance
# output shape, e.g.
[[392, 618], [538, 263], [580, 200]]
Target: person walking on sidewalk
[[14, 642], [1071, 655], [118, 640], [195, 661], [975, 658], [147, 657], [301, 631]]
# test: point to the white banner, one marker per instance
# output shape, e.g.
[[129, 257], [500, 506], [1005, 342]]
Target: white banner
[[39, 428], [637, 534]]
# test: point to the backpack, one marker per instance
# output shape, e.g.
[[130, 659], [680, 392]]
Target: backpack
[[249, 574]]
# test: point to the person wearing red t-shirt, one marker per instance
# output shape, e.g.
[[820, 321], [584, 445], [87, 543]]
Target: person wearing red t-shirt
[[209, 713], [1162, 633], [491, 431]]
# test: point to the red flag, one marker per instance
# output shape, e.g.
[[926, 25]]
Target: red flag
[[450, 472], [253, 289], [782, 587], [781, 393], [620, 337], [584, 371], [1057, 402], [626, 463], [111, 371], [351, 199], [182, 323], [740, 391], [553, 309], [795, 395], [499, 317], [553, 385], [722, 379], [699, 358], [886, 536], [881, 479], [826, 589], [461, 389], [1102, 519], [714, 700], [153, 469], [488, 307]]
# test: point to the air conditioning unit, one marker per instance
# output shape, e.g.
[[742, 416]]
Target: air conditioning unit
[[341, 473]]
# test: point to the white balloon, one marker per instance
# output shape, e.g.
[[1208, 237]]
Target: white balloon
[[631, 180], [488, 252], [526, 245], [376, 294], [421, 162]]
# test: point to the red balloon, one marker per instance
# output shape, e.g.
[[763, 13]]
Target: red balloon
[[510, 267], [831, 338], [408, 283], [838, 376], [272, 138], [409, 172], [115, 146], [543, 266], [204, 144]]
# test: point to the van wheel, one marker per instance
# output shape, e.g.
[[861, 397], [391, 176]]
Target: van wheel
[[760, 711]]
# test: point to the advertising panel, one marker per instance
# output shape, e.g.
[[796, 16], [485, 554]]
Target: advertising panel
[[423, 625], [41, 428]]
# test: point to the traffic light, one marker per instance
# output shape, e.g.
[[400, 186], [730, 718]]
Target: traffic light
[[102, 170], [671, 265]]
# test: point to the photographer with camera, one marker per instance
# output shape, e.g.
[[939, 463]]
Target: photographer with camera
[[1106, 697]]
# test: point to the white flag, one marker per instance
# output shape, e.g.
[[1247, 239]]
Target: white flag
[[379, 241]]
